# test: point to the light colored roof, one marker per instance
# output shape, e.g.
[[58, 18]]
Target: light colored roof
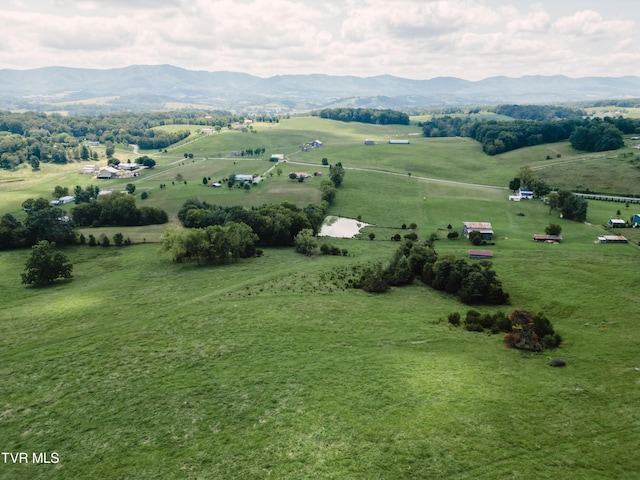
[[477, 225]]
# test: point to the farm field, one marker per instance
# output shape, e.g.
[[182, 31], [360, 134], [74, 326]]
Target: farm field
[[268, 368]]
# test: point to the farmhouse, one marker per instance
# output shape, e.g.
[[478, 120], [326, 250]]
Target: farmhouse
[[128, 166], [108, 172], [612, 239], [617, 223], [635, 221], [547, 238], [399, 142], [243, 178], [484, 228], [525, 194], [315, 143]]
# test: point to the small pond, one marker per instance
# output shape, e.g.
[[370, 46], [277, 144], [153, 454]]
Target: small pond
[[340, 227]]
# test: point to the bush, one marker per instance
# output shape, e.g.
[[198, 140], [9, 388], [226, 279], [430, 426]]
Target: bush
[[557, 362], [454, 318], [452, 235], [473, 327]]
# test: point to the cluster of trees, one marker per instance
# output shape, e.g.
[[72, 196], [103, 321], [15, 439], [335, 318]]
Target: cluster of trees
[[213, 244], [474, 283], [365, 115], [146, 161], [523, 329], [275, 225], [502, 136], [539, 112], [43, 222], [571, 206], [153, 140], [116, 209], [531, 332], [596, 137]]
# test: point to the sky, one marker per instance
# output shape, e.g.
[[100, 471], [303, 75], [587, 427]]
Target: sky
[[418, 39]]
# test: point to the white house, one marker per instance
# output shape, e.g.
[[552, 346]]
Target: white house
[[243, 178], [525, 194]]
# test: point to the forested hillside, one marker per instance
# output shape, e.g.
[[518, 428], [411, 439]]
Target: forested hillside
[[37, 137], [496, 137]]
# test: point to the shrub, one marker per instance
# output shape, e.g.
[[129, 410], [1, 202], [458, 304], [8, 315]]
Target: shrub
[[452, 235], [557, 362], [454, 318], [473, 327]]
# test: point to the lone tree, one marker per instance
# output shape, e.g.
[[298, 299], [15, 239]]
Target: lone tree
[[45, 265]]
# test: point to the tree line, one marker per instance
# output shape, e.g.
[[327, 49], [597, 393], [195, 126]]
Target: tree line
[[503, 136], [48, 222], [365, 115]]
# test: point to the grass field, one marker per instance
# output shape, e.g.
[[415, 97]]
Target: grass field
[[142, 368]]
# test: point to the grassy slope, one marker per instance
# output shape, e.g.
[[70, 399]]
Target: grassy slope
[[140, 367]]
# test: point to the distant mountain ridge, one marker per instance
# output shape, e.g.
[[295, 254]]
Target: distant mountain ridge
[[140, 87]]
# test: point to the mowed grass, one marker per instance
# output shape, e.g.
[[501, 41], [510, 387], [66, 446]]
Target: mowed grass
[[142, 368]]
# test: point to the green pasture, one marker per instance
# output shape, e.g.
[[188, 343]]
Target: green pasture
[[268, 368]]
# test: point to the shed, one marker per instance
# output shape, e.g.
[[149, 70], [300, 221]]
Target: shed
[[66, 199], [635, 221], [399, 142], [368, 141], [480, 254], [617, 223], [547, 238], [612, 239], [484, 228]]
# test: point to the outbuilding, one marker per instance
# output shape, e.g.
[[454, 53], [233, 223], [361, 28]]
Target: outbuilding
[[480, 254], [399, 142], [484, 228], [617, 223], [107, 173], [612, 239], [635, 221], [547, 238]]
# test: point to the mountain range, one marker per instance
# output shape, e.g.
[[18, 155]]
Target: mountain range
[[145, 87]]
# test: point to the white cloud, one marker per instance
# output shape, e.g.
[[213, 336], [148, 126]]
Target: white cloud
[[415, 38], [588, 23]]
